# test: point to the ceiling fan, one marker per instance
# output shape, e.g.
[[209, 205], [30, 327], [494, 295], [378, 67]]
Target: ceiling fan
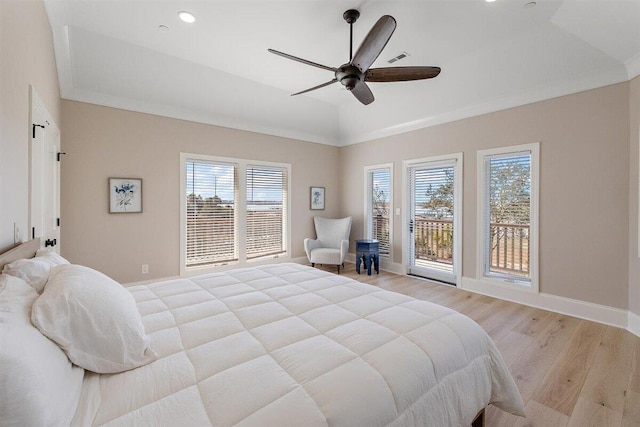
[[355, 73]]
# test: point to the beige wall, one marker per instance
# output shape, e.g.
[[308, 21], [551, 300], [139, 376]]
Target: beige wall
[[584, 179], [26, 57], [634, 139], [103, 142]]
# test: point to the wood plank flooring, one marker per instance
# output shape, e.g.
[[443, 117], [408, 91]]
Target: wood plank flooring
[[570, 372]]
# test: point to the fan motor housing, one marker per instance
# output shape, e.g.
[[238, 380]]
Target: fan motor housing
[[349, 75]]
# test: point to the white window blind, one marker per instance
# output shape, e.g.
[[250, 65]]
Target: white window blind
[[211, 214], [434, 193], [267, 201], [507, 215], [379, 207]]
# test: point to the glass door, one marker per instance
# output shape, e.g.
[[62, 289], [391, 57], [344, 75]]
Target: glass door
[[434, 219]]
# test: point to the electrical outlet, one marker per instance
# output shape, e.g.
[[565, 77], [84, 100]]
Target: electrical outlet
[[145, 268], [17, 238]]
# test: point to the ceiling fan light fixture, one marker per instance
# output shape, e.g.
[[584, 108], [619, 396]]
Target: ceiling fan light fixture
[[350, 82], [187, 17], [355, 74]]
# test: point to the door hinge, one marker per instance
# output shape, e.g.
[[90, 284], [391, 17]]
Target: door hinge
[[34, 126], [58, 222], [33, 232], [60, 154]]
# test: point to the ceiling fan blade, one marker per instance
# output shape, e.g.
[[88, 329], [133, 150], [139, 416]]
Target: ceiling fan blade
[[316, 87], [401, 74], [362, 92], [373, 44], [304, 61]]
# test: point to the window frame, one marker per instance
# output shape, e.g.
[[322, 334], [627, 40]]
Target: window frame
[[368, 203], [241, 230], [503, 280]]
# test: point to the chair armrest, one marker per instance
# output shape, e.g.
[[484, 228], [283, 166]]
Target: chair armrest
[[344, 249], [309, 245]]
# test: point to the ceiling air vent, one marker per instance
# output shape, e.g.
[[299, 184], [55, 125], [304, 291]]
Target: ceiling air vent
[[398, 58]]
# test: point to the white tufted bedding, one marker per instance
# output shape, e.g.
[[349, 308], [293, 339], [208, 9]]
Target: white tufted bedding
[[288, 345]]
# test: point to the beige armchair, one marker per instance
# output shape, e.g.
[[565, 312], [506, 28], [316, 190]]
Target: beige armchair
[[332, 244]]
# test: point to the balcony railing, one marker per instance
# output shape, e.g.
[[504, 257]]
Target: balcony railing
[[434, 240], [509, 245], [509, 249]]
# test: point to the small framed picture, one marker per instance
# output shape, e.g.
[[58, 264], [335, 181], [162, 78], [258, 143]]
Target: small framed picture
[[317, 198], [125, 195]]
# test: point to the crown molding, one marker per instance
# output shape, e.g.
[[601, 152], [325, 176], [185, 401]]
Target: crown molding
[[204, 117], [633, 66]]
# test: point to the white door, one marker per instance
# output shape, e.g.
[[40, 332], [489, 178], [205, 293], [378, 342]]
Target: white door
[[44, 204], [434, 193]]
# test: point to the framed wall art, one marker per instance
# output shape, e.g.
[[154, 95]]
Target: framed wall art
[[317, 198], [125, 195]]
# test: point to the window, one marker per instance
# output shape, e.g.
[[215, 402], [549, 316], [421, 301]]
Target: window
[[233, 210], [378, 184], [211, 197], [266, 211], [508, 213]]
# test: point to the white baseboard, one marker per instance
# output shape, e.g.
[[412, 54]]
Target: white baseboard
[[634, 324], [571, 307]]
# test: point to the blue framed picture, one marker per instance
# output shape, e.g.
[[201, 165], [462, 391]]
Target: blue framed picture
[[317, 198], [125, 195]]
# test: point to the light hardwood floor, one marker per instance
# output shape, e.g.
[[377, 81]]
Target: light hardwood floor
[[570, 372]]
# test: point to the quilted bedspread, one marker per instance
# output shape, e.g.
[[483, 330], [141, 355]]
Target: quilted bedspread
[[289, 345]]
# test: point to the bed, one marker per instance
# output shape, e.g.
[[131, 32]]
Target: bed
[[289, 345]]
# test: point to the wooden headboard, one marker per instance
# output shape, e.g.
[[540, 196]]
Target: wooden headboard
[[23, 250]]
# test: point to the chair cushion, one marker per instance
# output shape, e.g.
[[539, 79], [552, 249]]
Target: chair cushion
[[325, 256]]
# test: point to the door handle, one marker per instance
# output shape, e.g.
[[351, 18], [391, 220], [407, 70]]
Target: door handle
[[50, 242]]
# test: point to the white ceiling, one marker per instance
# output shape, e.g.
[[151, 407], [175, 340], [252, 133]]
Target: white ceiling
[[217, 70]]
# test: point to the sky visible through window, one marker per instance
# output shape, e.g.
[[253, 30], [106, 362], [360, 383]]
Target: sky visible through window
[[218, 180]]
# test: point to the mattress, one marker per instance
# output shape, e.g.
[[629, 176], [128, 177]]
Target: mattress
[[289, 345]]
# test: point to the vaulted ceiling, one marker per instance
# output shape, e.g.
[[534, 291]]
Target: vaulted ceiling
[[217, 70]]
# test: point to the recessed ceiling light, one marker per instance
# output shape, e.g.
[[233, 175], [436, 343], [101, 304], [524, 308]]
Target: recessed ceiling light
[[489, 1], [187, 17]]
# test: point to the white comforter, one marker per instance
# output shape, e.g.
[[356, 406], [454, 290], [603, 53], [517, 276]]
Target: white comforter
[[288, 345]]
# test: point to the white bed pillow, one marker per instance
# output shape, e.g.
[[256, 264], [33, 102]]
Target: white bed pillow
[[93, 319], [38, 384], [35, 271], [52, 256]]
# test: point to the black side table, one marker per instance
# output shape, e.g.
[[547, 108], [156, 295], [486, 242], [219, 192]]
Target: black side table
[[368, 251]]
